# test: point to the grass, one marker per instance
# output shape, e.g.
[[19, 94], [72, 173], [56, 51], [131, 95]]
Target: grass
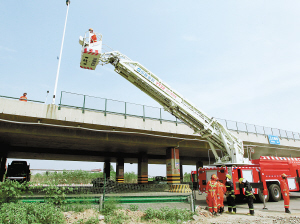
[[85, 177], [12, 211]]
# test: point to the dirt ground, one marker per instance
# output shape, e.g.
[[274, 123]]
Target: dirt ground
[[274, 214], [203, 216]]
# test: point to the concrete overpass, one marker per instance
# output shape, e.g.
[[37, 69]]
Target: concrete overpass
[[31, 130]]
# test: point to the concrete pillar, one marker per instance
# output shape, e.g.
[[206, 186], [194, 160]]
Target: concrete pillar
[[143, 169], [3, 160], [181, 173], [120, 170], [173, 166], [106, 170]]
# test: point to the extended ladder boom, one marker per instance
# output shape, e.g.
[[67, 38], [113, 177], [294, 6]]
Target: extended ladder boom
[[209, 128]]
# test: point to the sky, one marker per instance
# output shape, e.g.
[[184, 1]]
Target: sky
[[234, 60]]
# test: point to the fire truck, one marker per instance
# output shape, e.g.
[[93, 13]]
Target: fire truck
[[231, 159], [264, 174]]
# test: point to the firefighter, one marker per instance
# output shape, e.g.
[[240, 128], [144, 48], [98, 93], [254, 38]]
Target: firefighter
[[248, 193], [221, 190], [230, 195], [23, 98], [211, 194], [93, 36], [285, 192]]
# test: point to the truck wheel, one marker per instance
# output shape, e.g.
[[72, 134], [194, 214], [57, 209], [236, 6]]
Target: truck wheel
[[260, 196], [275, 193]]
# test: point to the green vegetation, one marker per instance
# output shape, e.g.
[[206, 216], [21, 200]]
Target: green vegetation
[[130, 177], [134, 207], [13, 211], [77, 177], [85, 177], [56, 195], [168, 214], [112, 212], [77, 207], [10, 191], [65, 177], [19, 213], [187, 177]]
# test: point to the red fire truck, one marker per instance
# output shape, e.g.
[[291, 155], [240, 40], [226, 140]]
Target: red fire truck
[[264, 174]]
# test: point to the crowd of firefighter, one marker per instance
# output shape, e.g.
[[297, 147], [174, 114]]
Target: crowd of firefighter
[[216, 191]]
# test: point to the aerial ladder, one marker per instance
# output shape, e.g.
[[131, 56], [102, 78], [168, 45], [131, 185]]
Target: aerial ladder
[[217, 136]]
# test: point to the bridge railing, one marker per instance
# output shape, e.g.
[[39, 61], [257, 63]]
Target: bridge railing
[[24, 100], [92, 103]]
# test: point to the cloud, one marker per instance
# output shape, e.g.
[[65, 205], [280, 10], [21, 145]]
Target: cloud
[[7, 49], [190, 38]]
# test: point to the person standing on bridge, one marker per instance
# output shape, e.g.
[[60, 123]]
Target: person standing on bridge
[[230, 195], [285, 192], [23, 98], [248, 193], [211, 194]]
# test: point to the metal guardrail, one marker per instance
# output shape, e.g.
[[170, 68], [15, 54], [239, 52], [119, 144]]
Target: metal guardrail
[[92, 103], [105, 105], [110, 106], [24, 100]]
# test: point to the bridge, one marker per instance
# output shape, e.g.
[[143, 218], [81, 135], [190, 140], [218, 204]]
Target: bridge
[[86, 128]]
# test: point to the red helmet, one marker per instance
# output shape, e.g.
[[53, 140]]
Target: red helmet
[[214, 177], [283, 175]]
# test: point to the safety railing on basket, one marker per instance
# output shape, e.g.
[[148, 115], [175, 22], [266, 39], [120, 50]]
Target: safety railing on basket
[[92, 103]]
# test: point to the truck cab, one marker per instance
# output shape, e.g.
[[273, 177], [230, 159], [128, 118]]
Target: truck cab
[[19, 171]]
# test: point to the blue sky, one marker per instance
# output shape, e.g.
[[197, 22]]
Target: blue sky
[[236, 60]]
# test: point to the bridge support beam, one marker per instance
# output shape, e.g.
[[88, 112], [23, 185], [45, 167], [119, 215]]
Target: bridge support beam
[[120, 170], [106, 169], [3, 159], [173, 165], [143, 169]]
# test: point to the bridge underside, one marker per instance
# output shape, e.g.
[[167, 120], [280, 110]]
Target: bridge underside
[[30, 139], [70, 142]]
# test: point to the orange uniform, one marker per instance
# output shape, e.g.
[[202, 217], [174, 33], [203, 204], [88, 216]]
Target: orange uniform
[[93, 38], [23, 98], [285, 193], [221, 190], [211, 198]]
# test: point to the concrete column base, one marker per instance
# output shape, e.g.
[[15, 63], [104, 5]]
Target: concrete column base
[[143, 169], [180, 188], [120, 171], [173, 165]]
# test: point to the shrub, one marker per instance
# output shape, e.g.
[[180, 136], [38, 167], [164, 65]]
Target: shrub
[[56, 195], [117, 217], [77, 207], [134, 207], [187, 177], [130, 177], [167, 214], [19, 213], [110, 206], [10, 191]]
